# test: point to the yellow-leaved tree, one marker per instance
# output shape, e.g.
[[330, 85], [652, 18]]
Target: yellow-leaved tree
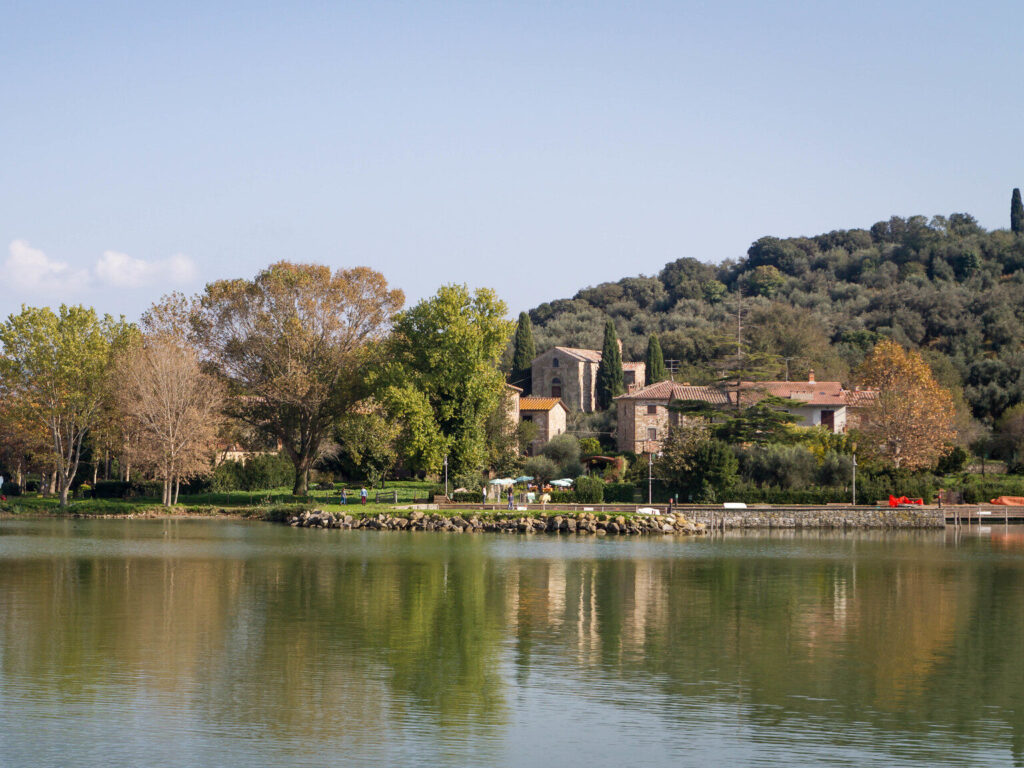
[[910, 423]]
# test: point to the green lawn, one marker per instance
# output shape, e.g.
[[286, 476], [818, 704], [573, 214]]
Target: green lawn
[[408, 492]]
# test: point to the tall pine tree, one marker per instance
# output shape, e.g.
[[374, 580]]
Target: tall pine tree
[[609, 372], [655, 361], [1016, 213], [524, 352]]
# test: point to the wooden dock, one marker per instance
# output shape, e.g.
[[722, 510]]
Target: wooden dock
[[983, 514]]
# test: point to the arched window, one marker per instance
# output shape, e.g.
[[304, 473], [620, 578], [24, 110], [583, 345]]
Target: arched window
[[554, 362], [556, 387]]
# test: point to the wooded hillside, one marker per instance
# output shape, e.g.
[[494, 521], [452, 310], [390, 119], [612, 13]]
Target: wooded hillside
[[944, 285]]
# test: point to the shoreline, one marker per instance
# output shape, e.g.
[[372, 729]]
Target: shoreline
[[694, 519]]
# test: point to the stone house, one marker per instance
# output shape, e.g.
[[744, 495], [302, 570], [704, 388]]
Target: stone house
[[644, 419], [549, 414], [570, 374]]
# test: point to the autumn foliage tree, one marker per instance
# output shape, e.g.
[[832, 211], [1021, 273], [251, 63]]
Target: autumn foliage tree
[[55, 367], [293, 345], [910, 424], [174, 407]]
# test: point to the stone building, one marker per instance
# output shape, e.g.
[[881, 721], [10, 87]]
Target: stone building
[[548, 413], [644, 419], [570, 374]]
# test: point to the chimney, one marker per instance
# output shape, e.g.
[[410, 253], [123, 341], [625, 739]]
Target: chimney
[[810, 375]]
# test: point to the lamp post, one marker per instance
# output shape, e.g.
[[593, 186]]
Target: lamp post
[[650, 476], [446, 477], [855, 479]]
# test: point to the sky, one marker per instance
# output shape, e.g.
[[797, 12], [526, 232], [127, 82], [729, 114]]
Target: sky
[[532, 147]]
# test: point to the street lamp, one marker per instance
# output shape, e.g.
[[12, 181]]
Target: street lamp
[[855, 477], [446, 477], [650, 476]]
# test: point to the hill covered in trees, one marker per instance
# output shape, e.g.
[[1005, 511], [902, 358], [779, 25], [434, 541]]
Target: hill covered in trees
[[944, 285]]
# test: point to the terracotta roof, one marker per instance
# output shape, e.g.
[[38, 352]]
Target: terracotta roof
[[539, 403], [633, 366], [817, 393], [672, 390], [513, 386], [860, 398]]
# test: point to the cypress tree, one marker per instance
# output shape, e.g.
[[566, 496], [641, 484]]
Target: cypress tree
[[609, 372], [1016, 213], [524, 352], [655, 361]]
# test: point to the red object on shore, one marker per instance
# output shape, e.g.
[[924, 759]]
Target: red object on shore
[[895, 502], [1009, 501]]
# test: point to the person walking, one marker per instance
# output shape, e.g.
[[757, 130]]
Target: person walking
[[511, 499], [362, 495], [483, 493], [344, 496]]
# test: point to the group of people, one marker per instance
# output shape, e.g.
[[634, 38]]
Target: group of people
[[363, 493]]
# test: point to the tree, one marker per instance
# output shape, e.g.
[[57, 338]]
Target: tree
[[655, 361], [443, 372], [55, 367], [541, 469], [910, 424], [699, 467], [174, 405], [370, 439], [294, 345], [609, 372], [522, 357], [564, 450], [1016, 213]]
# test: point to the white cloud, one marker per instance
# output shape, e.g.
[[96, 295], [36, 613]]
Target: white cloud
[[123, 271], [33, 273], [30, 269]]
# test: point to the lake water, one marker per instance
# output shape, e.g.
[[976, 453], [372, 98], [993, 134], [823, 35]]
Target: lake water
[[223, 643]]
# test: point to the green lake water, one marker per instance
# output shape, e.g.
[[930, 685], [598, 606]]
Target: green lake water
[[224, 643]]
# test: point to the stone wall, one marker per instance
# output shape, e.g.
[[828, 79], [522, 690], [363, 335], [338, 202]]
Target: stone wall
[[717, 518]]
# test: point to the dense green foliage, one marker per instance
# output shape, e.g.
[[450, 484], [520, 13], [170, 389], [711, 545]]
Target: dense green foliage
[[260, 473], [945, 285], [523, 353], [609, 372], [655, 361]]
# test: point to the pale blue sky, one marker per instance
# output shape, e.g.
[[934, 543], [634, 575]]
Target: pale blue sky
[[535, 147]]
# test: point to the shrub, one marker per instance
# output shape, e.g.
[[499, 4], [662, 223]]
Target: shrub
[[110, 489], [564, 450], [466, 497], [953, 461], [11, 490], [541, 469], [624, 493], [589, 490]]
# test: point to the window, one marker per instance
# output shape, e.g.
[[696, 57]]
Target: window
[[651, 410], [673, 419], [652, 433], [556, 387], [554, 362], [528, 418]]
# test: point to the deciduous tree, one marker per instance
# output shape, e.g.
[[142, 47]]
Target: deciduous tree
[[293, 344], [444, 354], [174, 406], [910, 424], [56, 367]]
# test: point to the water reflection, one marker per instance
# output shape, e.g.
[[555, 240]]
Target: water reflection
[[270, 644]]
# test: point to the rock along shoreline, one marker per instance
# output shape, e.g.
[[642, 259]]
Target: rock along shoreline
[[577, 523]]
